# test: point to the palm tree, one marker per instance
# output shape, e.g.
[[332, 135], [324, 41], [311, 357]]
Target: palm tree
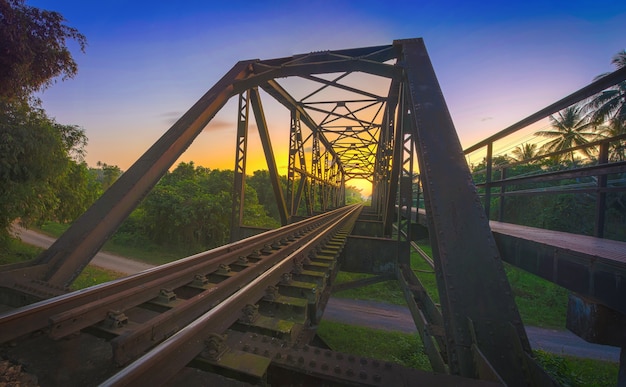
[[525, 151], [610, 105], [571, 129], [617, 148]]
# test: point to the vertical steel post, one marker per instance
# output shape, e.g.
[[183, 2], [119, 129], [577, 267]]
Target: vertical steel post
[[489, 167], [316, 182], [603, 158], [241, 149], [502, 195]]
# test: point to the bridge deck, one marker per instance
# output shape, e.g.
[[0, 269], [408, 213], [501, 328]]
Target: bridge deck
[[603, 249], [592, 267]]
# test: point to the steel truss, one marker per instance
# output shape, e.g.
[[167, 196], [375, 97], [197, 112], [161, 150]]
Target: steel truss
[[362, 135]]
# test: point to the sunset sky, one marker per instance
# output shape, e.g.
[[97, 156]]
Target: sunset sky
[[147, 62]]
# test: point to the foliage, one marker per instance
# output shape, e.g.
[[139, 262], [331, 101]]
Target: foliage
[[39, 176], [13, 251], [107, 174], [525, 151], [33, 49], [610, 105], [191, 206], [569, 129], [262, 185], [353, 195]]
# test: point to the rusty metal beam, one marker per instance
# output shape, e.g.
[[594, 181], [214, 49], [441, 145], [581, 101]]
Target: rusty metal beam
[[281, 95], [76, 247], [264, 134], [467, 261], [600, 84], [241, 151]]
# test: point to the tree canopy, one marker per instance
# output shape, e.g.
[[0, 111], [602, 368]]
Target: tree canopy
[[42, 175], [33, 50]]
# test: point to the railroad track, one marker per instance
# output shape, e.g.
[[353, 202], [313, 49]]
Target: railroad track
[[156, 322]]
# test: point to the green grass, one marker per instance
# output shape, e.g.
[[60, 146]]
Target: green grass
[[387, 291], [126, 247], [541, 303], [93, 275], [14, 251], [576, 372], [395, 347]]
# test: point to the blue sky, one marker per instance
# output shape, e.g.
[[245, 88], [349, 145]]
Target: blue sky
[[147, 62]]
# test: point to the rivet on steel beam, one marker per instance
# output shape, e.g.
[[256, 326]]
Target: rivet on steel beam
[[312, 364], [325, 367], [349, 372], [337, 370]]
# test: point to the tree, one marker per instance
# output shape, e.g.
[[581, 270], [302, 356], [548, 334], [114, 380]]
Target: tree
[[33, 49], [610, 105], [353, 195], [35, 157], [40, 159], [525, 151], [615, 128], [571, 129], [107, 174]]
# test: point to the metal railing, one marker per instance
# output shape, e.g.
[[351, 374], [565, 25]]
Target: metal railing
[[596, 177]]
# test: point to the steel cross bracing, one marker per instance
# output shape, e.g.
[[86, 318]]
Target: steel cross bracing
[[354, 130]]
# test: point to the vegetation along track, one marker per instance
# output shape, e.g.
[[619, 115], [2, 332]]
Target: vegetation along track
[[159, 320]]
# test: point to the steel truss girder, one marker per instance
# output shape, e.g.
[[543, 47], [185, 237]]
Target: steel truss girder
[[467, 262], [66, 258]]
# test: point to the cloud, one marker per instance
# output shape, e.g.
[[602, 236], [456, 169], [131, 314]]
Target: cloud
[[216, 125], [486, 119]]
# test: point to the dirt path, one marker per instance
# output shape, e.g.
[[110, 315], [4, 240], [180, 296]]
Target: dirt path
[[371, 314], [104, 260], [378, 315]]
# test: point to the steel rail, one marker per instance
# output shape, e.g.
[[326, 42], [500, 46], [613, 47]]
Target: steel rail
[[166, 359], [134, 342], [95, 302]]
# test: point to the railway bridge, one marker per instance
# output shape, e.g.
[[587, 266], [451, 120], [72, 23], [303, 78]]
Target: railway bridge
[[247, 312]]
